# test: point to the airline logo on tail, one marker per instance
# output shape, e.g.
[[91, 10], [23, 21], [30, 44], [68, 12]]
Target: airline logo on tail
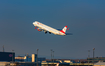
[[64, 29], [42, 27]]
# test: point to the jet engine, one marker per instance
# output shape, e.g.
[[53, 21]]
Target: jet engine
[[39, 29]]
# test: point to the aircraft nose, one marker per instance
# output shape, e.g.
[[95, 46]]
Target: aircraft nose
[[33, 22]]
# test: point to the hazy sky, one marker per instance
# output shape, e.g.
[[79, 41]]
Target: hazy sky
[[85, 18]]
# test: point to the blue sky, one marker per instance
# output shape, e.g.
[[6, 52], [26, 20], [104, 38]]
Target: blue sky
[[85, 18]]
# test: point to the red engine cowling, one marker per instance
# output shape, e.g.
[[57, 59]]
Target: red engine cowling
[[39, 29]]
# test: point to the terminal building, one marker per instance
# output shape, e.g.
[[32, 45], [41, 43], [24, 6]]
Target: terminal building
[[27, 58], [7, 56], [9, 59], [96, 59]]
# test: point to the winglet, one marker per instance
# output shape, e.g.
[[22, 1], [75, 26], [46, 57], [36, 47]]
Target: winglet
[[35, 27]]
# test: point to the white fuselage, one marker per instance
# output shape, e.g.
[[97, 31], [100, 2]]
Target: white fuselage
[[47, 28]]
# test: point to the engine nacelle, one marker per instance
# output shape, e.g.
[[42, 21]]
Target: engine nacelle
[[39, 29]]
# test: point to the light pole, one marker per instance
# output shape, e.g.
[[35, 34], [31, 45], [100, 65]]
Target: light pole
[[53, 58], [88, 56], [12, 57], [37, 57], [51, 55], [93, 56], [3, 48]]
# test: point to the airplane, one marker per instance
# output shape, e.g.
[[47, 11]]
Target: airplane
[[45, 28]]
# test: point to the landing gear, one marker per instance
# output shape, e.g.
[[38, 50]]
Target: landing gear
[[49, 32], [45, 32]]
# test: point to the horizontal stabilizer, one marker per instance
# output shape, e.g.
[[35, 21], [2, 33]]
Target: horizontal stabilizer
[[69, 33]]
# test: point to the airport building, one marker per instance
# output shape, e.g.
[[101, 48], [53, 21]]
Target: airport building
[[9, 59], [27, 58], [7, 56], [96, 59]]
